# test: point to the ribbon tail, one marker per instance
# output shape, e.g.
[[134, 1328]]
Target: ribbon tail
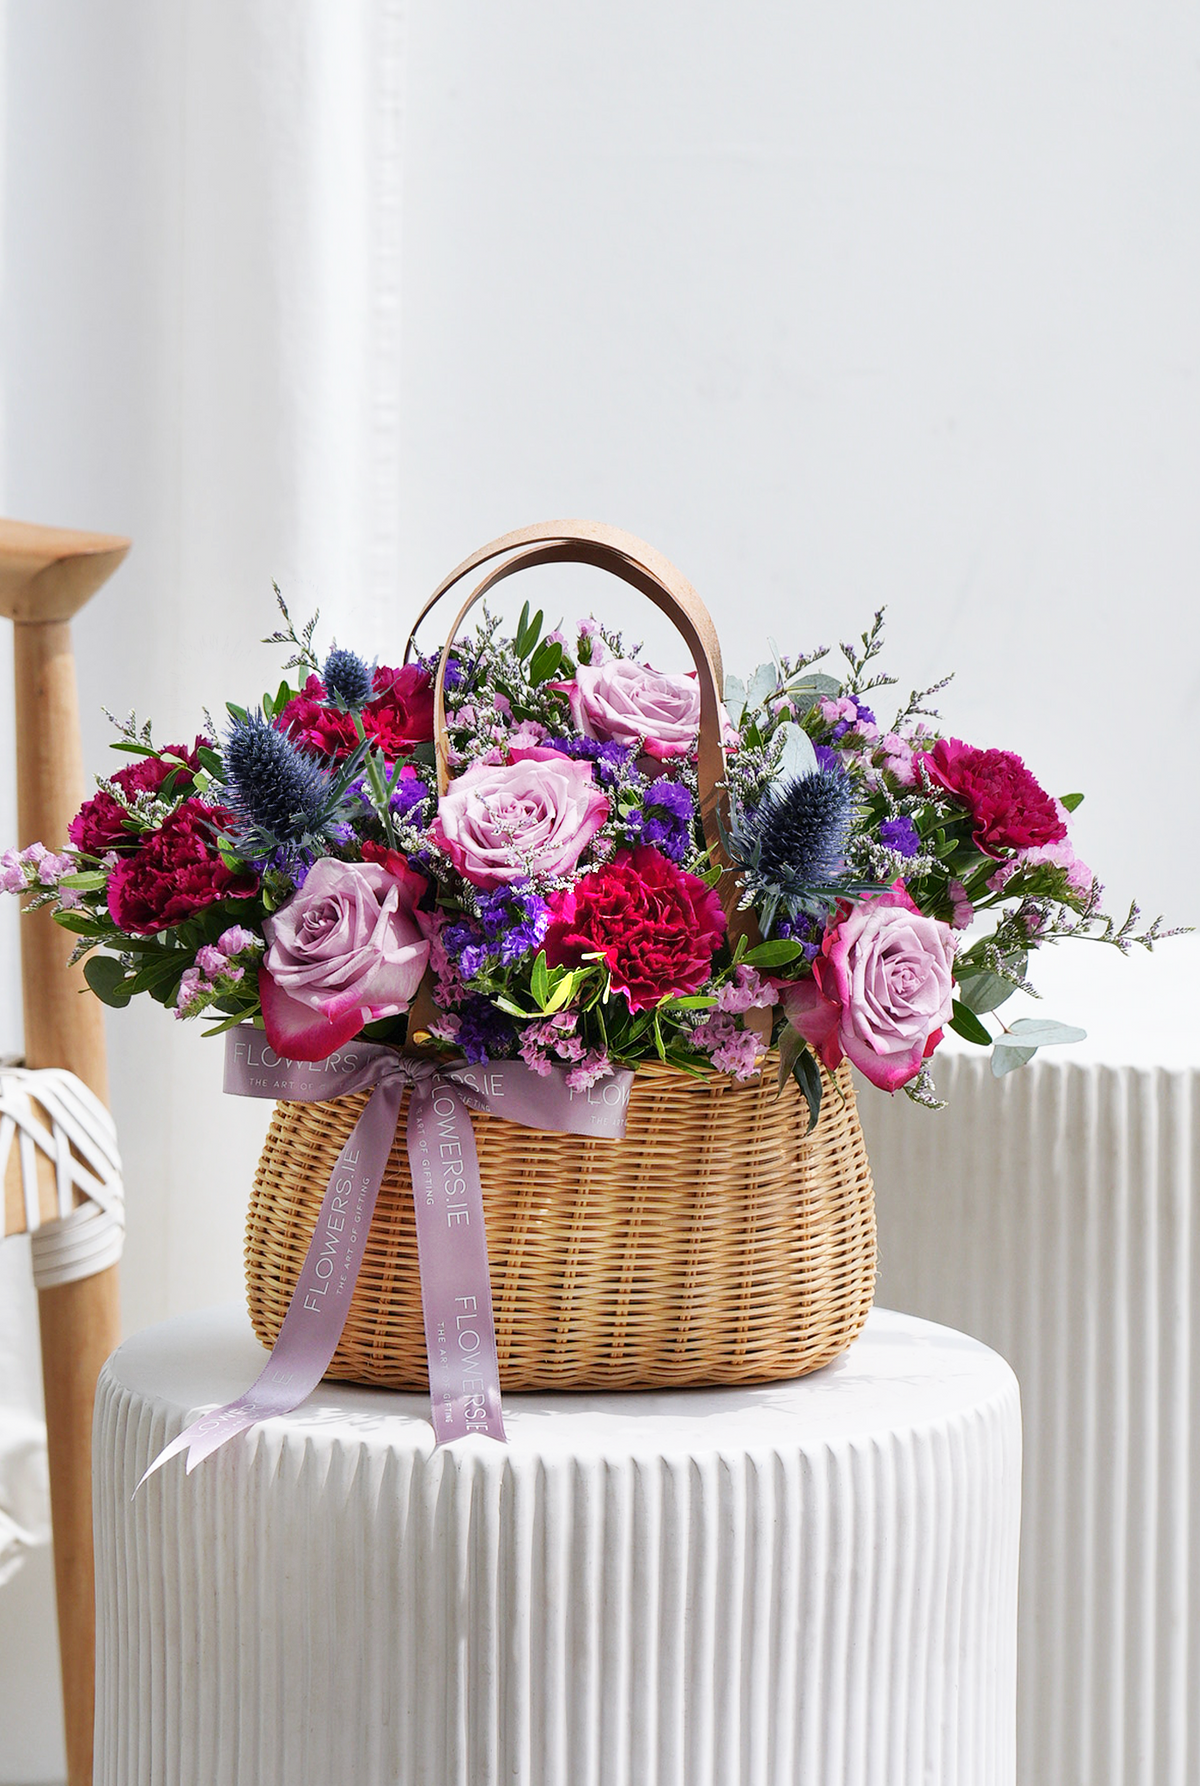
[[316, 1314], [456, 1288]]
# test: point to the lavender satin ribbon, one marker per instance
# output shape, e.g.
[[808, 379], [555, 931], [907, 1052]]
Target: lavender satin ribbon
[[456, 1294]]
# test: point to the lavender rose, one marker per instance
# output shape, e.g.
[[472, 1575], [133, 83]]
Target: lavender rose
[[881, 989], [624, 702], [345, 950], [533, 816]]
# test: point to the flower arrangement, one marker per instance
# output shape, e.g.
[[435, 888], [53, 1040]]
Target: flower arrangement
[[558, 904]]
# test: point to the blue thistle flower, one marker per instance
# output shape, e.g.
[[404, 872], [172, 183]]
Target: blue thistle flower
[[792, 845], [801, 829], [347, 679], [270, 783], [283, 798]]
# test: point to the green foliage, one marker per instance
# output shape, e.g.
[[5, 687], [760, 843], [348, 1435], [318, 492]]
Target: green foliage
[[106, 977], [965, 1023]]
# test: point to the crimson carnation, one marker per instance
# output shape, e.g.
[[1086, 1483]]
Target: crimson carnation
[[175, 872], [1008, 807], [656, 926], [399, 716], [99, 825]]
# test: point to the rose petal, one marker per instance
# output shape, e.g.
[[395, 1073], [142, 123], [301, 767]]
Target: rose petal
[[298, 1032]]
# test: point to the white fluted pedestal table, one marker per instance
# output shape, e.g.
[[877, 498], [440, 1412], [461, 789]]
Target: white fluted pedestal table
[[806, 1584], [1054, 1213]]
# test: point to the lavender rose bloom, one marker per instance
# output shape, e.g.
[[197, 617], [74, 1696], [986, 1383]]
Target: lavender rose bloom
[[626, 702], [345, 950], [509, 821], [881, 989]]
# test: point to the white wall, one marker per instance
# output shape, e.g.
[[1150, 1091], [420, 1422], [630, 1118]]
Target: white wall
[[837, 305]]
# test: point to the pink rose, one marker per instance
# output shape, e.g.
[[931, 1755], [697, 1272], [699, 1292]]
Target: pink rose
[[881, 989], [627, 703], [533, 816], [345, 950]]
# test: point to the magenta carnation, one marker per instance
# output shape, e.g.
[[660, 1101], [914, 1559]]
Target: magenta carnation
[[99, 825], [175, 871], [1007, 806], [656, 926]]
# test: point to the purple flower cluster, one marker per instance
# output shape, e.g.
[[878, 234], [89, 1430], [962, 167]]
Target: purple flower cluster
[[408, 796], [900, 834], [665, 819], [484, 1033], [610, 759], [511, 921], [808, 931]]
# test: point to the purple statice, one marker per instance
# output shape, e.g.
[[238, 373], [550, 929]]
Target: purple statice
[[465, 945], [513, 919], [805, 929], [408, 796], [456, 671], [610, 759], [665, 818], [484, 1033], [827, 758], [900, 834], [848, 715]]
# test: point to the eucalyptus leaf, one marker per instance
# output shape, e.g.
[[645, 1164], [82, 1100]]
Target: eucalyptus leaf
[[1006, 1059], [985, 991], [799, 758], [764, 682], [735, 696], [808, 690], [1043, 1032]]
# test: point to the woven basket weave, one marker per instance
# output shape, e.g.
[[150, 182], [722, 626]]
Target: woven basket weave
[[715, 1244]]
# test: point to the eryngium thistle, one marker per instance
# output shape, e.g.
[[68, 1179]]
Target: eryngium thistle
[[347, 679], [276, 790], [790, 848], [801, 830]]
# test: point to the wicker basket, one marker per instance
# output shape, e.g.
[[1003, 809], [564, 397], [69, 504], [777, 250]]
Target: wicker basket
[[716, 1244]]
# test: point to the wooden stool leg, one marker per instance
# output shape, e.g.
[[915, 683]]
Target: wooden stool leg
[[80, 1326], [45, 576]]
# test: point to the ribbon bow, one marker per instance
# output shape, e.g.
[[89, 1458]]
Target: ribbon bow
[[456, 1294]]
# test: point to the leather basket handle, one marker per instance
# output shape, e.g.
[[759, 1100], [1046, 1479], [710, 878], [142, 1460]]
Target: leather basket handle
[[644, 569]]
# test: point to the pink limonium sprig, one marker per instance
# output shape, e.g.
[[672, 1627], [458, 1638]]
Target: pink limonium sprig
[[217, 970], [37, 870]]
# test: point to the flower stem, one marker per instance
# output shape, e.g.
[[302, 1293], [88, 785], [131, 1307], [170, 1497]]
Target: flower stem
[[377, 781]]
